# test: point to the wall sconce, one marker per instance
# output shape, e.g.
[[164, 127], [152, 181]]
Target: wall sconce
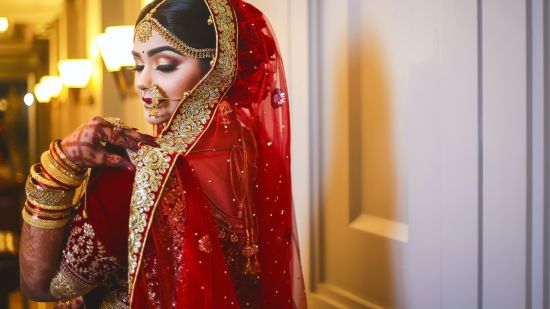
[[41, 93], [49, 87], [53, 84], [4, 24], [75, 73], [115, 46]]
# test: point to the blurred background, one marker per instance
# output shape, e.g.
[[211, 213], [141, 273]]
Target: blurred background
[[420, 135]]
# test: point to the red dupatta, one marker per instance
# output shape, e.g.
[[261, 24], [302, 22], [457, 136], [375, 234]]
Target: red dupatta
[[212, 222]]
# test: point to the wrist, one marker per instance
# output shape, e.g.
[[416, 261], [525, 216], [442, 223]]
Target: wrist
[[59, 148]]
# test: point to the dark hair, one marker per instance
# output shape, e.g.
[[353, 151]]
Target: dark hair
[[186, 19]]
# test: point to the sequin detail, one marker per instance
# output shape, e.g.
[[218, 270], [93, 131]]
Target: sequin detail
[[85, 263], [190, 121]]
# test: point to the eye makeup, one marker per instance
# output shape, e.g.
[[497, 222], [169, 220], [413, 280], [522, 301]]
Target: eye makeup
[[163, 64], [137, 67], [166, 67], [166, 64]]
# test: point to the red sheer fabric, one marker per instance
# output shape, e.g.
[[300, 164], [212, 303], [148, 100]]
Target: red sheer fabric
[[223, 234]]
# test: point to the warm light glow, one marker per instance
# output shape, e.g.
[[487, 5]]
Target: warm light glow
[[53, 85], [41, 93], [75, 73], [145, 2], [28, 99], [3, 105], [4, 24], [115, 46]]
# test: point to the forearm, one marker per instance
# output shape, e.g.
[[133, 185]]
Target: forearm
[[39, 257]]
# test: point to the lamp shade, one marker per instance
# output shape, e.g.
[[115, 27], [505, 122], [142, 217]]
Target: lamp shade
[[41, 93], [52, 85], [75, 73], [4, 24], [115, 46]]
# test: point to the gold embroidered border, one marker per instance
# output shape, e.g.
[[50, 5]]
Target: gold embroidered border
[[65, 285], [193, 117]]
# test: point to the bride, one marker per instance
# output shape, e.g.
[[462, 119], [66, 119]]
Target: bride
[[199, 215]]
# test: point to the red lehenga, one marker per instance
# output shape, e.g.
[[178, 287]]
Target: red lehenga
[[211, 222]]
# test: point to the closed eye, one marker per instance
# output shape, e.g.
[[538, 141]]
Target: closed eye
[[166, 67]]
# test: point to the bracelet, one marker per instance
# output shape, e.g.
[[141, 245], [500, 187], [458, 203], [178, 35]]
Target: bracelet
[[58, 173], [49, 214], [38, 222], [53, 167], [56, 147], [36, 174], [49, 207], [49, 197]]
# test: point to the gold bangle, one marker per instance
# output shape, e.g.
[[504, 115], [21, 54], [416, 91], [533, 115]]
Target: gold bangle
[[36, 174], [57, 172], [50, 197], [67, 173], [50, 207], [75, 167], [46, 214], [43, 224]]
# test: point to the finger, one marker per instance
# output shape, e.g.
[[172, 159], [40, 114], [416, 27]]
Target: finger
[[143, 138], [61, 306], [128, 138], [113, 160], [79, 303], [117, 137]]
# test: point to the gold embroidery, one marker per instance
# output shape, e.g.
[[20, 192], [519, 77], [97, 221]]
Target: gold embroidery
[[205, 245], [66, 286], [190, 121], [85, 263]]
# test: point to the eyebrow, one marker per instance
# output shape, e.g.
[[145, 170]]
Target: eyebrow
[[157, 50]]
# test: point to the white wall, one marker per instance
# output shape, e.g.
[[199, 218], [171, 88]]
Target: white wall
[[474, 118]]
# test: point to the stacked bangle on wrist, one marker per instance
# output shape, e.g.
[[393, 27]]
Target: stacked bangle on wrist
[[46, 196], [43, 222], [58, 173], [57, 152], [51, 189]]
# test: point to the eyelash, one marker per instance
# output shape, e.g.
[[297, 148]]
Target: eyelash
[[165, 68]]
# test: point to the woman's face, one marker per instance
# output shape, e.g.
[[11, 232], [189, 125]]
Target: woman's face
[[157, 63]]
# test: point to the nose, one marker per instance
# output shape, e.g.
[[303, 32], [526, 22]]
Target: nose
[[143, 79]]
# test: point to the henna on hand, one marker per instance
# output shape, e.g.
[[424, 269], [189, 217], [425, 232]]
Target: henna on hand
[[39, 254], [86, 145]]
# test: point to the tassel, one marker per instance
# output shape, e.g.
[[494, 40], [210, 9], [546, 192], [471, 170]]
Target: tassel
[[252, 266]]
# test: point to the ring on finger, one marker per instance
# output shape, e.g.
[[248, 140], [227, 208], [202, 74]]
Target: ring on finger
[[117, 123]]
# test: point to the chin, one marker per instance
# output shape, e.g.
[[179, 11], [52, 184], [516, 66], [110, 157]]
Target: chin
[[156, 120]]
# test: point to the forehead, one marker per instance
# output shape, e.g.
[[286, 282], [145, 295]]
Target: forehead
[[154, 41]]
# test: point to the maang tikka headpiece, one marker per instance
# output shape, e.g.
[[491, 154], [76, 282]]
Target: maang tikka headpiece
[[144, 31]]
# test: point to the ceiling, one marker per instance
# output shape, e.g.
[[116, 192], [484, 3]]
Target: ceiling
[[33, 12], [20, 51]]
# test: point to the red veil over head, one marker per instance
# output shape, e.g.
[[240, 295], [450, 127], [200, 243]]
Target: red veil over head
[[212, 221]]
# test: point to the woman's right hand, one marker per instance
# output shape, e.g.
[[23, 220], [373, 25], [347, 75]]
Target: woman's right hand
[[86, 145]]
